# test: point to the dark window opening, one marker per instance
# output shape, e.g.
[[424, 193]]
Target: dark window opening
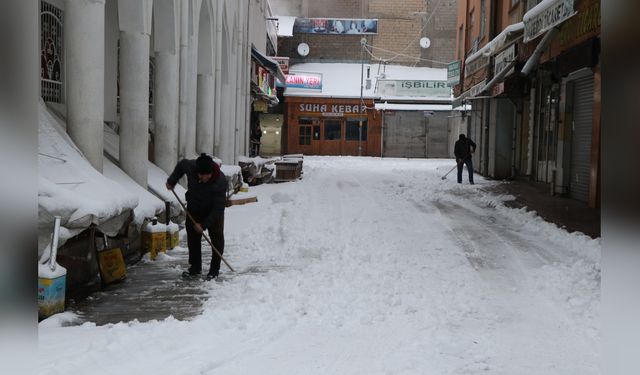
[[353, 132], [316, 133], [332, 130]]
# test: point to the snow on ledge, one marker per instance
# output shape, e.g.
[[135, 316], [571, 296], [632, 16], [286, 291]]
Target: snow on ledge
[[69, 187]]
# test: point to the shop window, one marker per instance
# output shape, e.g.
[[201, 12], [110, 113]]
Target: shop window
[[332, 130], [352, 132], [316, 133], [305, 135]]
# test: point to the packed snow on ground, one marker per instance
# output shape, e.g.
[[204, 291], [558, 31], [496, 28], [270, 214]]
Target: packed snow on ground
[[370, 266]]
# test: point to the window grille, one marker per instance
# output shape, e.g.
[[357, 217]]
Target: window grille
[[51, 53]]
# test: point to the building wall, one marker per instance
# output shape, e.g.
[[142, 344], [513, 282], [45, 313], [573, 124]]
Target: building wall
[[401, 24]]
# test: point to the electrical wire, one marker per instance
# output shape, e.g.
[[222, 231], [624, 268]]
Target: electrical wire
[[401, 53], [398, 54]]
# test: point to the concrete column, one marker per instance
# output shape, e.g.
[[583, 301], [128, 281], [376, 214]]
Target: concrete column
[[184, 74], [218, 56], [134, 105], [84, 39], [165, 110], [190, 142], [204, 114]]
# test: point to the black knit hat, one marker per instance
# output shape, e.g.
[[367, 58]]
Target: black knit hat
[[204, 164]]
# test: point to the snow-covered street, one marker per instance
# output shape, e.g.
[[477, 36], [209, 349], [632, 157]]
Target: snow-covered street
[[370, 266]]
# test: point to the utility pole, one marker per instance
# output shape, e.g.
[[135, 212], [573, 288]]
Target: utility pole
[[363, 41]]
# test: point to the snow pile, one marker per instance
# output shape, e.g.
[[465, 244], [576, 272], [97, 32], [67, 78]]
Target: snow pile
[[68, 186], [156, 177], [148, 204], [66, 318]]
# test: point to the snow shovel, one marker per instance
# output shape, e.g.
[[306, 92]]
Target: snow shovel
[[445, 176], [203, 233]]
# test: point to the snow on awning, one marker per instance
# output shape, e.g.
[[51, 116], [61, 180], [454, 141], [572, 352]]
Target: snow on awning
[[69, 187], [269, 64], [285, 25], [412, 107], [148, 204], [498, 42], [156, 177]]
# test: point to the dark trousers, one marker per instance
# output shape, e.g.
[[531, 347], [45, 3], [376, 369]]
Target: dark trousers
[[194, 240], [469, 164]]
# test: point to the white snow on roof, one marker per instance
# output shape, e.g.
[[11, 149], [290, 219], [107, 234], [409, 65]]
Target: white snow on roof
[[68, 186], [156, 177], [496, 43], [148, 204], [285, 25], [413, 107], [342, 80]]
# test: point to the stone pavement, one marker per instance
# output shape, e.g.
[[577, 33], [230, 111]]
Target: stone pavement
[[565, 212], [152, 290]]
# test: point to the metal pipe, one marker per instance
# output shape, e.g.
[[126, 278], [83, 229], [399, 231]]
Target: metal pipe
[[54, 244], [167, 212], [542, 46]]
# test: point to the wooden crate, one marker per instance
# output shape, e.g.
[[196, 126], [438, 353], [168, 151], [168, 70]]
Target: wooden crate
[[287, 170]]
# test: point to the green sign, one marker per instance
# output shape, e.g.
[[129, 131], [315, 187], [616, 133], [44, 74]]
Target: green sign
[[453, 73]]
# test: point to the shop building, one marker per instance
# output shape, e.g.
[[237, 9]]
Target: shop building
[[369, 110], [536, 100]]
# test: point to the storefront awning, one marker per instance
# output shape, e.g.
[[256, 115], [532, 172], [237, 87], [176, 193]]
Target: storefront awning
[[271, 100], [533, 60], [499, 77], [470, 94], [496, 44], [272, 66]]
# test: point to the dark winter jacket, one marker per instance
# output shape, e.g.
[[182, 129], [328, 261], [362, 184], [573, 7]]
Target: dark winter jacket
[[205, 201], [462, 149]]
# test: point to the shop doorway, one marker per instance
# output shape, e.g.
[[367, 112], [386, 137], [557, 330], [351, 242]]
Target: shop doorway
[[332, 135]]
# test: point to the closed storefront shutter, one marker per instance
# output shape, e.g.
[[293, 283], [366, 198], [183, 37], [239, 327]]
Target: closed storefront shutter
[[438, 135], [405, 134], [581, 138]]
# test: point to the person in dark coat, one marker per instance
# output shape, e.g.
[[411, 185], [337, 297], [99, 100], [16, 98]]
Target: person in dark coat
[[463, 150], [206, 201], [256, 135]]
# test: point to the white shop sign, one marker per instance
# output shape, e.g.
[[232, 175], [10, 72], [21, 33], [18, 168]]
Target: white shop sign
[[545, 16], [475, 65], [503, 59]]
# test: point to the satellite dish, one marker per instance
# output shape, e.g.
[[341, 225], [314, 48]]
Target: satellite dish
[[425, 42], [303, 49]]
